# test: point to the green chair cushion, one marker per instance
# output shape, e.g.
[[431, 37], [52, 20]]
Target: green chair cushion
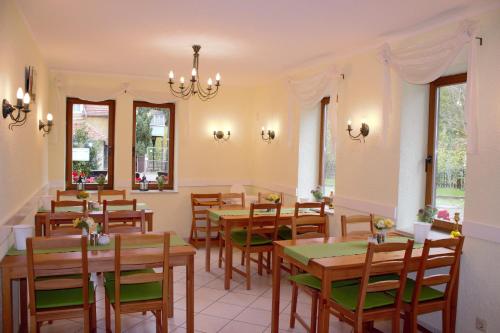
[[110, 276], [347, 297], [426, 293], [311, 281], [284, 232], [134, 292], [47, 299], [240, 237]]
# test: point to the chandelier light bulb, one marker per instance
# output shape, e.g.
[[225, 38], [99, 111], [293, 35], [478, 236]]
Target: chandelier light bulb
[[349, 122], [182, 79], [193, 72], [217, 77], [26, 99], [209, 81], [171, 75], [20, 93]]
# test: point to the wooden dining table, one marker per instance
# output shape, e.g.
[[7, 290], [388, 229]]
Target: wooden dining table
[[331, 269], [97, 215], [14, 268], [230, 218]]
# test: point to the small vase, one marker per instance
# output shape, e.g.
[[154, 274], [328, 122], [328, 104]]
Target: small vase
[[421, 231]]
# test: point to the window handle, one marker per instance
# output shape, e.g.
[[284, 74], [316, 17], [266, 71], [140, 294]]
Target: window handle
[[428, 161]]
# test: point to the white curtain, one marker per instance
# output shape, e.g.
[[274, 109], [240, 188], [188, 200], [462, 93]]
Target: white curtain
[[423, 63]]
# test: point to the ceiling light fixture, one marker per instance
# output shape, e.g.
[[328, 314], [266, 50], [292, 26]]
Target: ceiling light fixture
[[194, 88]]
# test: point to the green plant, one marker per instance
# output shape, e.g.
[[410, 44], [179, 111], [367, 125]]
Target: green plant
[[317, 193], [160, 180], [427, 214], [101, 179]]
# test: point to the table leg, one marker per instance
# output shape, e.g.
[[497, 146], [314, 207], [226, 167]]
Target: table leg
[[39, 223], [208, 237], [190, 295], [6, 301], [228, 267], [324, 314], [275, 315], [23, 305], [170, 292], [149, 219]]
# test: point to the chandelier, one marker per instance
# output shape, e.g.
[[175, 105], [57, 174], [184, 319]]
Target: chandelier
[[194, 87]]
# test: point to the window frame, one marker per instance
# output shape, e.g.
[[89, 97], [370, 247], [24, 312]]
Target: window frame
[[70, 101], [324, 102], [431, 142], [171, 155]]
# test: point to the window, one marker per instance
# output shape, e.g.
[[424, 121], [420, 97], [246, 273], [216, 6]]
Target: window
[[446, 162], [153, 144], [326, 150], [90, 128]]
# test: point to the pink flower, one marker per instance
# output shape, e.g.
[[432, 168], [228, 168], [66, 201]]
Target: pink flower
[[443, 215]]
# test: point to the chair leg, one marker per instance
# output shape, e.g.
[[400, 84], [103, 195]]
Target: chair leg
[[268, 266], [314, 311], [118, 319], [221, 246], [446, 320], [93, 317], [413, 322], [247, 264], [406, 323], [86, 321], [293, 310], [164, 320], [259, 268], [33, 324], [242, 258], [107, 314], [170, 292], [395, 323], [158, 317]]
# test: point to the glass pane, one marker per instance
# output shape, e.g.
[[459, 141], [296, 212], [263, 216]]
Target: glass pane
[[152, 132], [90, 142], [329, 155], [450, 150]]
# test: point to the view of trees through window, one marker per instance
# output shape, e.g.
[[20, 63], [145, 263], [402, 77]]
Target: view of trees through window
[[450, 151]]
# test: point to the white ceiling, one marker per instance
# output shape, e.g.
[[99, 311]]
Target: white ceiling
[[244, 40]]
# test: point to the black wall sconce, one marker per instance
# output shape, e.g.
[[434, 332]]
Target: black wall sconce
[[363, 131], [18, 113], [220, 136], [269, 136], [46, 127]]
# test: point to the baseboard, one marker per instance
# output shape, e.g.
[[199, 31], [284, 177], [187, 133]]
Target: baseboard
[[364, 206]]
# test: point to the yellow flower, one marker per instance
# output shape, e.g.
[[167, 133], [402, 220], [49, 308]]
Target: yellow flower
[[76, 222], [455, 233], [388, 223]]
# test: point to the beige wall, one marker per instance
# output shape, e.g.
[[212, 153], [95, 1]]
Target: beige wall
[[23, 151]]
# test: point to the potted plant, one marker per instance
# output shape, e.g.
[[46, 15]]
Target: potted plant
[[87, 224], [317, 193], [273, 197], [382, 225], [421, 228], [100, 180], [160, 180]]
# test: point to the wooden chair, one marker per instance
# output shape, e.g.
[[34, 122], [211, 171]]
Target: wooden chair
[[68, 205], [420, 297], [124, 215], [139, 290], [66, 193], [111, 193], [53, 222], [384, 271], [261, 196], [122, 204], [356, 219], [200, 203], [53, 296], [254, 239], [306, 226], [228, 201]]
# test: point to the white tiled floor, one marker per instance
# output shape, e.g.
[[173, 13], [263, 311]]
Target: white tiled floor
[[216, 310]]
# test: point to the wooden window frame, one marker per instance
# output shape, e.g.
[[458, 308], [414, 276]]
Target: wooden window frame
[[324, 102], [171, 148], [431, 141], [70, 101]]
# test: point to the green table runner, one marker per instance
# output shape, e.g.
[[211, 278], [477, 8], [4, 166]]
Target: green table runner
[[304, 253], [216, 215], [174, 241], [139, 206]]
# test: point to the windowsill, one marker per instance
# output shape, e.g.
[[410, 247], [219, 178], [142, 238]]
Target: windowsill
[[433, 234], [154, 191]]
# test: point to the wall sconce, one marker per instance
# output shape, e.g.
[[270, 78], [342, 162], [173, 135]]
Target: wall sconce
[[46, 127], [220, 136], [18, 113], [269, 137], [363, 131]]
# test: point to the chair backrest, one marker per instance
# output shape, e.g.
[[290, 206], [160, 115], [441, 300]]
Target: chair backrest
[[355, 219], [431, 261], [381, 259], [61, 218], [233, 200], [38, 266], [111, 193], [265, 223], [124, 215], [261, 196], [68, 205], [122, 261], [66, 193], [125, 204], [307, 223], [201, 202]]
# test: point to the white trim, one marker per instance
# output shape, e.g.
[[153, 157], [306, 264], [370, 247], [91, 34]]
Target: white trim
[[212, 182], [481, 231], [365, 206]]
